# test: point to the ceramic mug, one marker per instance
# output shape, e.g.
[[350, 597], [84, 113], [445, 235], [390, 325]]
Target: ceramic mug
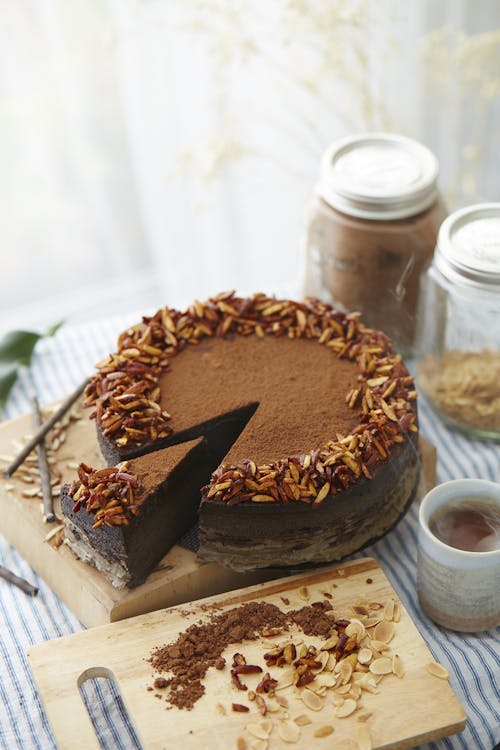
[[457, 588]]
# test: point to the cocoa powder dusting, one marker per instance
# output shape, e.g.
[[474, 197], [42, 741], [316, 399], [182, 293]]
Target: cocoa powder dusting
[[201, 645]]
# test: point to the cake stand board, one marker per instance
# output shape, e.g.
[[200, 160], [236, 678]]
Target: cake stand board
[[179, 577]]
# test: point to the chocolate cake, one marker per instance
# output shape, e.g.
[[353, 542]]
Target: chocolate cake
[[308, 418]]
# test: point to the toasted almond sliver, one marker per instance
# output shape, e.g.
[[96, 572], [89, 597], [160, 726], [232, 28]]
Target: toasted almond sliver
[[354, 692], [437, 670], [346, 709], [283, 702], [365, 655], [311, 700], [382, 665], [241, 743], [330, 665], [397, 612], [220, 709], [259, 745], [338, 700], [322, 657], [324, 731], [288, 731], [343, 689], [370, 622], [397, 666], [384, 631], [363, 737], [267, 725], [302, 720], [282, 684]]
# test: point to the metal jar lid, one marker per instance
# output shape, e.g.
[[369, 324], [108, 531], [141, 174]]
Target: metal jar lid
[[378, 176], [468, 246]]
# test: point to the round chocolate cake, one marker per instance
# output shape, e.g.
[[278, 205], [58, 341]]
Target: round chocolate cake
[[306, 420]]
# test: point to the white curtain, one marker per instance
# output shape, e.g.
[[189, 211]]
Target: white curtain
[[153, 151]]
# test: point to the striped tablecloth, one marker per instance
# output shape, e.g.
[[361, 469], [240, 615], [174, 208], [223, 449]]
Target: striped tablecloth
[[472, 660]]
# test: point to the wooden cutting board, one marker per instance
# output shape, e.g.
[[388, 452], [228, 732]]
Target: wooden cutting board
[[178, 578], [407, 711]]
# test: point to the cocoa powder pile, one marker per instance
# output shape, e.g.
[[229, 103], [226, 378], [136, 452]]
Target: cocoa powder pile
[[201, 645]]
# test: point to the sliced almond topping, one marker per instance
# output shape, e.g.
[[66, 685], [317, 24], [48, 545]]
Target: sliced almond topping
[[288, 731], [397, 666], [302, 720], [272, 707], [397, 612], [324, 731], [311, 700], [338, 700], [363, 737], [354, 692], [241, 743], [220, 709], [346, 709], [382, 665], [437, 670], [304, 593], [330, 665], [368, 684], [259, 745], [322, 657], [282, 684], [365, 655], [384, 632], [267, 725]]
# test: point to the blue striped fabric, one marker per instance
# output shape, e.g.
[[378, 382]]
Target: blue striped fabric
[[472, 660]]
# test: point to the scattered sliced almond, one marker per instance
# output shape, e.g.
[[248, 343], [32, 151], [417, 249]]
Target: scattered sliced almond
[[331, 642], [389, 609], [259, 745], [382, 665], [370, 622], [288, 731], [241, 743], [283, 702], [365, 655], [304, 593], [324, 731], [338, 700], [326, 679], [437, 670], [357, 629], [220, 709], [397, 666], [379, 645], [364, 716], [343, 689], [267, 726], [311, 700], [363, 738], [384, 631], [346, 709], [345, 672], [354, 692], [302, 720]]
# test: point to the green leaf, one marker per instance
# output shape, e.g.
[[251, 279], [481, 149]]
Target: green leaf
[[53, 329], [17, 346], [8, 375]]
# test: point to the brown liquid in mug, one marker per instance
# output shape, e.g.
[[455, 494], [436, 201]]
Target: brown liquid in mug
[[473, 524]]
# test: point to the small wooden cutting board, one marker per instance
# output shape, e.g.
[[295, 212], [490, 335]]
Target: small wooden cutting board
[[406, 711]]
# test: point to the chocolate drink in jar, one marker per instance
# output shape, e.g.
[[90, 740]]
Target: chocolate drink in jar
[[372, 230]]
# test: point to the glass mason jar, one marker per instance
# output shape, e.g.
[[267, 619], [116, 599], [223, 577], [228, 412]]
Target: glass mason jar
[[372, 228], [458, 341]]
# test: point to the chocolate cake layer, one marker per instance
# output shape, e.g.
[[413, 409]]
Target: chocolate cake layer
[[277, 535]]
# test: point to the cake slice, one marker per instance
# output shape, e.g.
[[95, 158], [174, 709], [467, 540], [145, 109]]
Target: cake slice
[[124, 519]]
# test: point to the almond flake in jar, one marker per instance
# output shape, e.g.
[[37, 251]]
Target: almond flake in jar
[[373, 223]]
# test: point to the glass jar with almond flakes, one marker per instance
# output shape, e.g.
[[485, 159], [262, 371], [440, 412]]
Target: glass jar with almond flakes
[[458, 340]]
